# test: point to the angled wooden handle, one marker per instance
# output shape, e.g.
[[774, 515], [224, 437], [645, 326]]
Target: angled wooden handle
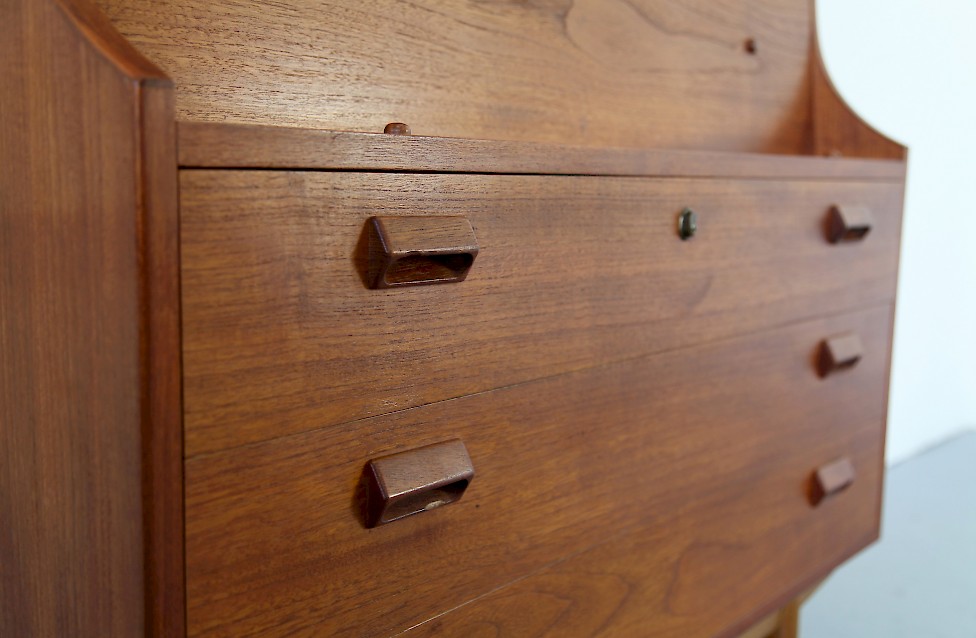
[[831, 479], [848, 223], [410, 251], [838, 353], [416, 481]]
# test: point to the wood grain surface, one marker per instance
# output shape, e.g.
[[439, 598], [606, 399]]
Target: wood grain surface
[[644, 413], [704, 572], [281, 334], [636, 73], [161, 380], [90, 422], [215, 145], [660, 496]]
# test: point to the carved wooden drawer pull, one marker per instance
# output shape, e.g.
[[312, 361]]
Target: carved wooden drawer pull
[[831, 479], [415, 481], [848, 223], [409, 251], [839, 352]]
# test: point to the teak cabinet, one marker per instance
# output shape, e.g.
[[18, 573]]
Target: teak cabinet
[[329, 318]]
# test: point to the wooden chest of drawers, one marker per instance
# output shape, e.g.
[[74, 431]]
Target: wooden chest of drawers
[[667, 368]]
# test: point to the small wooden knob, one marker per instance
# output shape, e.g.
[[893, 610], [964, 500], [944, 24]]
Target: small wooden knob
[[831, 479], [848, 223], [397, 128], [839, 352]]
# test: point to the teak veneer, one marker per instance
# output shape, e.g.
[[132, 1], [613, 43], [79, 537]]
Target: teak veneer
[[625, 449], [655, 433], [273, 269]]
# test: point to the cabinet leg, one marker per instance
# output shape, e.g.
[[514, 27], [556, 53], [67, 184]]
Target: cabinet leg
[[789, 620]]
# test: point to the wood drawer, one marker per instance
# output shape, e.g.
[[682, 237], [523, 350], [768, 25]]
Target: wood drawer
[[282, 336], [670, 478]]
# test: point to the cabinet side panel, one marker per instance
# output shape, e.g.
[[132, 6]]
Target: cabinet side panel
[[162, 423], [77, 422]]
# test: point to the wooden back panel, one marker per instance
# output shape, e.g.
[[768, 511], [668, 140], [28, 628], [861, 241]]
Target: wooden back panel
[[697, 74], [90, 424]]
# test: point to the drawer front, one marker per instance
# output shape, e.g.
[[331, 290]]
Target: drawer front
[[281, 334], [671, 478]]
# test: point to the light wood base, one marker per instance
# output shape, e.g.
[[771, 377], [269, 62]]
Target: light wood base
[[783, 623]]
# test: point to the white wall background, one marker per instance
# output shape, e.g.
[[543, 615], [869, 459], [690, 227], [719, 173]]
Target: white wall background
[[909, 68]]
